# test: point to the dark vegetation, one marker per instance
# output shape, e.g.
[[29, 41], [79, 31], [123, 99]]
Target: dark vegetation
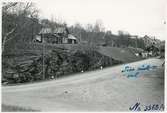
[[9, 108], [59, 62]]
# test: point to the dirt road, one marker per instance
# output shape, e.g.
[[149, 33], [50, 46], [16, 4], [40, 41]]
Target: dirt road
[[101, 90]]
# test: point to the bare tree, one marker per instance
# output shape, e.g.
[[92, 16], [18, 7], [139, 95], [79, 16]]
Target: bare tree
[[17, 11], [98, 27]]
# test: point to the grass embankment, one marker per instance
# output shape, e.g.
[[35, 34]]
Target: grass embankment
[[9, 108], [35, 63], [28, 66], [121, 54]]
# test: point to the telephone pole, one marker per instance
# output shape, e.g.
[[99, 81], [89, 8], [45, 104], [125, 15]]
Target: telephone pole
[[43, 61]]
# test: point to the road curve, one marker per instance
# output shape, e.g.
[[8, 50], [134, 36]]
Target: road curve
[[101, 90]]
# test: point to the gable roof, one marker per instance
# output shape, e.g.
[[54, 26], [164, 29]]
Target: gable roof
[[56, 30], [60, 30], [45, 31], [71, 37]]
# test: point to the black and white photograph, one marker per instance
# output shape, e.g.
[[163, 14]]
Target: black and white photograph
[[83, 55]]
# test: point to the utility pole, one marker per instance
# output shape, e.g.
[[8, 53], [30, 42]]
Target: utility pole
[[43, 61], [136, 42]]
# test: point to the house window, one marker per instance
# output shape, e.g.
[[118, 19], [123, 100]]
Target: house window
[[69, 41], [75, 41]]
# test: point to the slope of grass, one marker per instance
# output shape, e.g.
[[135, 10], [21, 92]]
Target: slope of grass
[[121, 54]]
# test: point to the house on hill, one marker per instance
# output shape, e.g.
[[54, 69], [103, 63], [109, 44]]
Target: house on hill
[[149, 41], [59, 35], [152, 45]]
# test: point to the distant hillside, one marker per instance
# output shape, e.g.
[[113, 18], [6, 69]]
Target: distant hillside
[[121, 54]]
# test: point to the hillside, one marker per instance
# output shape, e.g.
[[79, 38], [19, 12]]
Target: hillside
[[46, 62], [38, 62], [121, 54]]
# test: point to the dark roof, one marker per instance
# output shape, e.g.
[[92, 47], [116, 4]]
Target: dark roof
[[57, 30], [45, 31]]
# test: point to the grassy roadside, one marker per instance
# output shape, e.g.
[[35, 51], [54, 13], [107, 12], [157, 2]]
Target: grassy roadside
[[11, 108]]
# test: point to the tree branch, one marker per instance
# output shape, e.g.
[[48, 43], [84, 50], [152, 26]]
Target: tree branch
[[5, 38]]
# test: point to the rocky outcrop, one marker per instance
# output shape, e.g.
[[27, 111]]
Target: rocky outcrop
[[58, 63]]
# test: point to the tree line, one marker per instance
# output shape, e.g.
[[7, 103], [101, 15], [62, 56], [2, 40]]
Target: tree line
[[95, 34], [21, 22]]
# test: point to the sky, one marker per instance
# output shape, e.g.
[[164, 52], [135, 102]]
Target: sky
[[138, 17]]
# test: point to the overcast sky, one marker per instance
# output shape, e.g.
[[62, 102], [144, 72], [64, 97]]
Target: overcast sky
[[138, 17]]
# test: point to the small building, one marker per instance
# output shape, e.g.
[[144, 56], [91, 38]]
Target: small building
[[71, 39], [59, 35]]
